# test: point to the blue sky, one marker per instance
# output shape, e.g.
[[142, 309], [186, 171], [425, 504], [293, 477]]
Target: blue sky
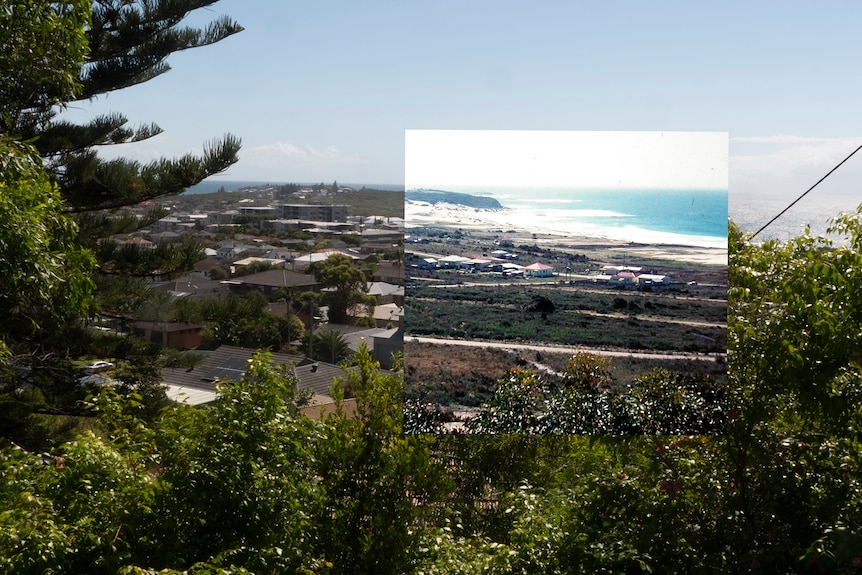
[[323, 91]]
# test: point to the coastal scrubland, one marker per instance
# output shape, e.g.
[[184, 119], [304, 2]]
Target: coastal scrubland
[[456, 319]]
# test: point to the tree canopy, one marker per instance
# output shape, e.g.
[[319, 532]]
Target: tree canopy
[[60, 200], [347, 285], [127, 43], [44, 278], [249, 484]]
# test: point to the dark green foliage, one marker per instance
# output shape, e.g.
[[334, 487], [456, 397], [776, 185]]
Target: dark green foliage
[[44, 46], [45, 281], [378, 482], [244, 321], [250, 485], [55, 53], [330, 346], [348, 284], [541, 304], [587, 402], [422, 416], [254, 268], [126, 43]]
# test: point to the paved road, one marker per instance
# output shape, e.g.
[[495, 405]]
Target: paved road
[[552, 348]]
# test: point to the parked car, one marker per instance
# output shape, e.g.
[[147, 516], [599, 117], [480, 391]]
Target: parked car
[[99, 366]]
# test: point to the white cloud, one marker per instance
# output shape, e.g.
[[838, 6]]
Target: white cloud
[[291, 162], [307, 153], [786, 162]]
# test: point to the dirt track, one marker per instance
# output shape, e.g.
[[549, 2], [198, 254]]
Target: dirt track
[[549, 348]]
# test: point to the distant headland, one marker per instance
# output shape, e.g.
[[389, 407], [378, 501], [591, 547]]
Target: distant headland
[[458, 198]]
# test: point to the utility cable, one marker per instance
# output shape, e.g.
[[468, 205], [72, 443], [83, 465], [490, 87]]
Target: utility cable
[[806, 192]]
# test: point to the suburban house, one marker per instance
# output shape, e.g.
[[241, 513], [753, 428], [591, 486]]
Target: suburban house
[[428, 264], [389, 272], [238, 265], [140, 243], [229, 363], [268, 281], [191, 286], [301, 262], [386, 293], [624, 278], [388, 315], [232, 251], [503, 255], [176, 335], [653, 279], [375, 239], [452, 262], [539, 270]]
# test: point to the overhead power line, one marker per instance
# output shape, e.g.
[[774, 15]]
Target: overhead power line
[[806, 192]]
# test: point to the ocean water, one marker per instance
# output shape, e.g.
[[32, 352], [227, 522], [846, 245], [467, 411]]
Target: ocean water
[[752, 212], [674, 217]]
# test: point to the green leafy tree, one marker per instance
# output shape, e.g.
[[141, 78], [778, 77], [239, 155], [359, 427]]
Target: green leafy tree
[[96, 48], [347, 285], [127, 43], [45, 278], [587, 402], [45, 292], [243, 321], [241, 485], [44, 47], [55, 53], [378, 483], [228, 488]]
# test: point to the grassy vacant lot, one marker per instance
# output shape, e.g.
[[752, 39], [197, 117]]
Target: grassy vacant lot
[[673, 319], [451, 374]]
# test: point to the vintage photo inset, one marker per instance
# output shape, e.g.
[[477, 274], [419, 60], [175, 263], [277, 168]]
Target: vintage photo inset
[[565, 282]]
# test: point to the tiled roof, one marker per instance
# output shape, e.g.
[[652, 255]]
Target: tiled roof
[[277, 278], [316, 376]]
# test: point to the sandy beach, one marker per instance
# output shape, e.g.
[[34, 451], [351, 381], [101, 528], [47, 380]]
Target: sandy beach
[[505, 222]]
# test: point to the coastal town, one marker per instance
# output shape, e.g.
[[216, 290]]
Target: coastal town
[[417, 288], [260, 244], [484, 300]]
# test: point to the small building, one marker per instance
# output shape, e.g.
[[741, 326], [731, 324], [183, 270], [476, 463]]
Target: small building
[[313, 212], [140, 243], [376, 239], [386, 344], [624, 278], [232, 251], [385, 292], [388, 314], [452, 262], [478, 265], [175, 335], [389, 272], [539, 270], [428, 264], [301, 262], [653, 279], [509, 269]]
